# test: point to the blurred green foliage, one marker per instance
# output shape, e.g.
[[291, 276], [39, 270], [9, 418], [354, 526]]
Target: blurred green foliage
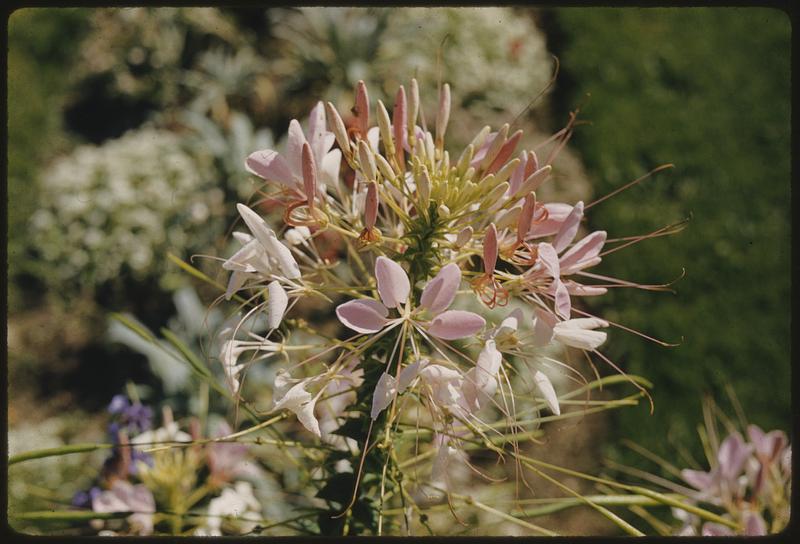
[[42, 44], [707, 90]]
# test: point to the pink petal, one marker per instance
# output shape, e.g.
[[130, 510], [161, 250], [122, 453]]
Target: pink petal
[[716, 529], [579, 290], [543, 324], [569, 228], [584, 252], [363, 315], [320, 139], [549, 259], [696, 478], [455, 324], [441, 290], [732, 455], [563, 303], [480, 153], [557, 212], [393, 284], [269, 165], [754, 524], [518, 176], [490, 249], [294, 148]]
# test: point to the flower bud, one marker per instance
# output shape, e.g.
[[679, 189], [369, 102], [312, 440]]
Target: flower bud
[[442, 115], [490, 249], [505, 152], [413, 108], [399, 120], [384, 167], [424, 188], [337, 127], [366, 161], [499, 140], [309, 174], [371, 205], [480, 137], [361, 109], [384, 124], [526, 217], [532, 165], [534, 181]]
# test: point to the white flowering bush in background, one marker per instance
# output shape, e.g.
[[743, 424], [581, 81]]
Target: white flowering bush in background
[[119, 208], [495, 59]]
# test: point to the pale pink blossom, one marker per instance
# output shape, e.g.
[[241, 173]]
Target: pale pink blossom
[[287, 168], [370, 316]]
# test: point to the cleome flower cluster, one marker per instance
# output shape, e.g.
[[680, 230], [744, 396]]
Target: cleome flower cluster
[[427, 246]]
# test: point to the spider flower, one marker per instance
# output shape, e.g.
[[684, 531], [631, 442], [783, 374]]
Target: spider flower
[[370, 316]]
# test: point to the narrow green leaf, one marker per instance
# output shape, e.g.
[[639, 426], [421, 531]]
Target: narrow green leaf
[[135, 327], [188, 354], [74, 515], [54, 452]]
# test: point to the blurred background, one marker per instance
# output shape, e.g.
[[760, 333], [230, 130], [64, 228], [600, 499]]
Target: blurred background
[[128, 130]]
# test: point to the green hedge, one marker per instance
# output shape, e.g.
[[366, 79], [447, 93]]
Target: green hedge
[[707, 90]]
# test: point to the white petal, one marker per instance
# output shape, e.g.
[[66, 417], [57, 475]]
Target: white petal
[[546, 388], [276, 304]]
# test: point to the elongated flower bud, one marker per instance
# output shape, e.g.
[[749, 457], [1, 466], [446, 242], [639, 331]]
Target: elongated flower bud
[[480, 137], [526, 217], [490, 249], [399, 120], [309, 174], [413, 108], [505, 152], [336, 125], [465, 159], [499, 140], [442, 115], [532, 165], [384, 124], [366, 160], [384, 167], [424, 189], [534, 181], [361, 109], [371, 206]]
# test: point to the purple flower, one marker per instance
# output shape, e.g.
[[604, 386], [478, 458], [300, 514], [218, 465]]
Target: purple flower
[[118, 404], [83, 499]]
